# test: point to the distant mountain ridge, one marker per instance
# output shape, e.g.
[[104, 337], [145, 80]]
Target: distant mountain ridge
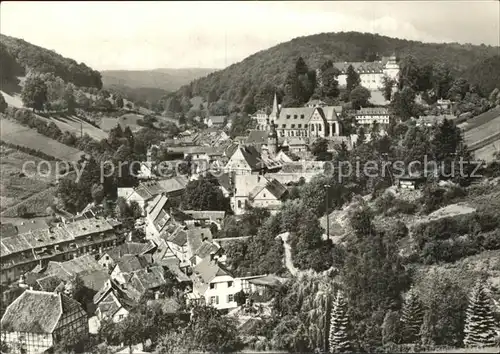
[[161, 78]]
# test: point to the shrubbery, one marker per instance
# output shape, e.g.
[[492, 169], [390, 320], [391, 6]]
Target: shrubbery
[[449, 239]]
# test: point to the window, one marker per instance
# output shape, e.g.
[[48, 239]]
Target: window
[[120, 317], [299, 126], [312, 128], [305, 125], [214, 300], [319, 127], [230, 298], [283, 126], [239, 204], [293, 126], [301, 116], [295, 116], [213, 286], [287, 116], [264, 195], [229, 284]]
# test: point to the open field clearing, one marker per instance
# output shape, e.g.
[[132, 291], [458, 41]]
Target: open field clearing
[[75, 125], [14, 133], [17, 186], [130, 120], [14, 101], [126, 120], [475, 135]]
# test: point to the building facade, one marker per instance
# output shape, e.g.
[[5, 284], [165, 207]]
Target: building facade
[[371, 74], [37, 320], [23, 252], [367, 116]]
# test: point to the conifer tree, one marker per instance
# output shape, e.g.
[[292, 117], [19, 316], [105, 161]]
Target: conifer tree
[[412, 317], [339, 337], [479, 321]]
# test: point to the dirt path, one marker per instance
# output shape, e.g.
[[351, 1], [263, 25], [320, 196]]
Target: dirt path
[[288, 254]]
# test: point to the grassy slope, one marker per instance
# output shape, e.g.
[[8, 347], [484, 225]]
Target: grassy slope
[[15, 187], [14, 133]]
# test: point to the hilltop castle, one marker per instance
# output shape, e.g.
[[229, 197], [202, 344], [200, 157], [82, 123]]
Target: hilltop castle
[[370, 73]]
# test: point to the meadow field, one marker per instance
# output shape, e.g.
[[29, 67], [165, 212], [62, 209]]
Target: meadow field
[[13, 133]]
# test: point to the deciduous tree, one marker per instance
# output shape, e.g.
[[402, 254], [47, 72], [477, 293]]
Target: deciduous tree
[[34, 93]]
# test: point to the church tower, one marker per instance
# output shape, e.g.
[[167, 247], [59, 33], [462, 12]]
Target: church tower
[[272, 140], [275, 113]]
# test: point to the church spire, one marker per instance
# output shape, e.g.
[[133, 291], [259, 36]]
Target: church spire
[[275, 112]]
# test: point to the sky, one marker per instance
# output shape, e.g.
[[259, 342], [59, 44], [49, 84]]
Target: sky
[[146, 35]]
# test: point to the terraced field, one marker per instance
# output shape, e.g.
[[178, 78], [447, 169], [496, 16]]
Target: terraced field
[[13, 133]]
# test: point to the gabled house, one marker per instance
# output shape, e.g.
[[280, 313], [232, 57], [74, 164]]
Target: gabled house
[[38, 320], [128, 264], [109, 258], [267, 194], [142, 193], [258, 191], [148, 279], [206, 217], [248, 160], [214, 285], [114, 301]]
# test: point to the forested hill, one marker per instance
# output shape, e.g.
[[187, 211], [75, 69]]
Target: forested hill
[[269, 67], [18, 57]]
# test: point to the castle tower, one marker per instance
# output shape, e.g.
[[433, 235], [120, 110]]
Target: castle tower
[[272, 140]]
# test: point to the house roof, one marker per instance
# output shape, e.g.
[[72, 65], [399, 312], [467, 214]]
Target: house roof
[[148, 278], [31, 224], [196, 237], [273, 186], [372, 111], [36, 312], [206, 214], [95, 280], [173, 265], [225, 181], [109, 305], [257, 137], [331, 113], [205, 271], [361, 67], [291, 112], [174, 184], [133, 248], [8, 229], [130, 263], [268, 280], [50, 283], [178, 237], [80, 265], [217, 119]]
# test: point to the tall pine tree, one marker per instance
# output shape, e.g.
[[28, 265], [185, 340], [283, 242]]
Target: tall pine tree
[[412, 317], [339, 336], [479, 322]]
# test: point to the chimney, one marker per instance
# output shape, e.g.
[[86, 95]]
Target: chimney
[[157, 295]]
